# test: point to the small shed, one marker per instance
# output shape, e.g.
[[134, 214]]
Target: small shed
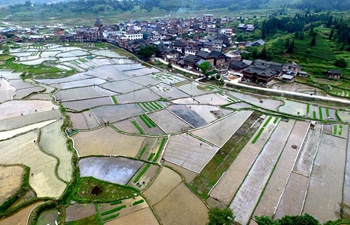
[[288, 78]]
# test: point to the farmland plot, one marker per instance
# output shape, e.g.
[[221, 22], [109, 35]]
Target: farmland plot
[[239, 105], [82, 93], [248, 194], [346, 192], [7, 91], [141, 72], [167, 78], [87, 103], [219, 132], [22, 93], [168, 122], [291, 201], [304, 162], [43, 178], [20, 84], [257, 100], [11, 133], [36, 61], [140, 217], [9, 74], [11, 179], [91, 119], [127, 126], [79, 211], [293, 108], [143, 95], [181, 206], [169, 92], [188, 175], [80, 83], [106, 141], [106, 53], [189, 152], [144, 176], [234, 176], [144, 80], [40, 96], [340, 130], [210, 99], [22, 121], [115, 170], [75, 77], [132, 66], [344, 116], [165, 182], [21, 217], [78, 121], [77, 52], [114, 113], [205, 111], [53, 142], [107, 72], [274, 189], [122, 86], [16, 108], [195, 88], [185, 113], [48, 216], [328, 173], [148, 129]]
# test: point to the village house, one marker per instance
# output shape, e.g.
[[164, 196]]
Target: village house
[[291, 68], [208, 18], [334, 74], [262, 72], [3, 38]]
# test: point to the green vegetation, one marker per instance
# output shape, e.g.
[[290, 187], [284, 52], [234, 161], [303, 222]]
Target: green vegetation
[[275, 121], [327, 113], [267, 121], [288, 220], [221, 161], [113, 210], [116, 202], [314, 114], [159, 149], [258, 135], [91, 220], [142, 172], [149, 123], [150, 156], [320, 112], [111, 217], [138, 127], [114, 100], [138, 202], [307, 109], [335, 129], [143, 151], [218, 216], [205, 67], [90, 189]]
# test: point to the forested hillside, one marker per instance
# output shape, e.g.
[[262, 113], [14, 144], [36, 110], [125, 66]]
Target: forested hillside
[[325, 4]]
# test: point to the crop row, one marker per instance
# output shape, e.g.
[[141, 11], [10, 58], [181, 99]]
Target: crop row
[[138, 127], [150, 106], [149, 123], [159, 150], [143, 151], [111, 217], [138, 202], [142, 172], [113, 210]]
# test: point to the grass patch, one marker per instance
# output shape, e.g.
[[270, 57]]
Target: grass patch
[[114, 100], [116, 202], [314, 115], [150, 156], [138, 127], [91, 220], [113, 210], [142, 172], [221, 161], [258, 135], [307, 109], [138, 202], [267, 121], [275, 121], [143, 151], [90, 189], [327, 112], [111, 217], [159, 149], [145, 121], [340, 130], [335, 129], [320, 112]]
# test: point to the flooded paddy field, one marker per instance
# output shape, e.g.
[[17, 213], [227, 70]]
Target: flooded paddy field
[[169, 92], [107, 72], [260, 101], [122, 86], [144, 80], [114, 113], [188, 115], [143, 95], [88, 103], [82, 93], [115, 170], [79, 83], [168, 122]]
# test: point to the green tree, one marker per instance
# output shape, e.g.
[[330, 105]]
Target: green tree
[[204, 66], [263, 53], [291, 47], [170, 65], [147, 51], [288, 220], [220, 217], [341, 63], [313, 41], [265, 220], [330, 37]]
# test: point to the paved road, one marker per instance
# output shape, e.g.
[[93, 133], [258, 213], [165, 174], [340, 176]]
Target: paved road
[[178, 67]]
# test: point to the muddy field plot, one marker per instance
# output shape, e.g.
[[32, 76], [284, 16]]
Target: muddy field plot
[[276, 184], [194, 89], [150, 129], [186, 114], [143, 95], [140, 217], [13, 109], [169, 92], [207, 112], [23, 149], [114, 113], [75, 77], [304, 162], [21, 217], [115, 170], [344, 116], [11, 179], [340, 130], [149, 147], [144, 176], [220, 132], [189, 152], [22, 93], [49, 216], [257, 100], [328, 173], [210, 99], [127, 126], [181, 206], [78, 121], [234, 176], [167, 78], [79, 211], [87, 104], [126, 67], [291, 201], [80, 83], [293, 108], [107, 72], [165, 182], [40, 96], [124, 86], [82, 93], [145, 80], [53, 142], [248, 194], [106, 141], [6, 90], [168, 122], [141, 72], [23, 121]]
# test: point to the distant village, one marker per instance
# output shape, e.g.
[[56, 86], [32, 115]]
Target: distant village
[[183, 42]]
